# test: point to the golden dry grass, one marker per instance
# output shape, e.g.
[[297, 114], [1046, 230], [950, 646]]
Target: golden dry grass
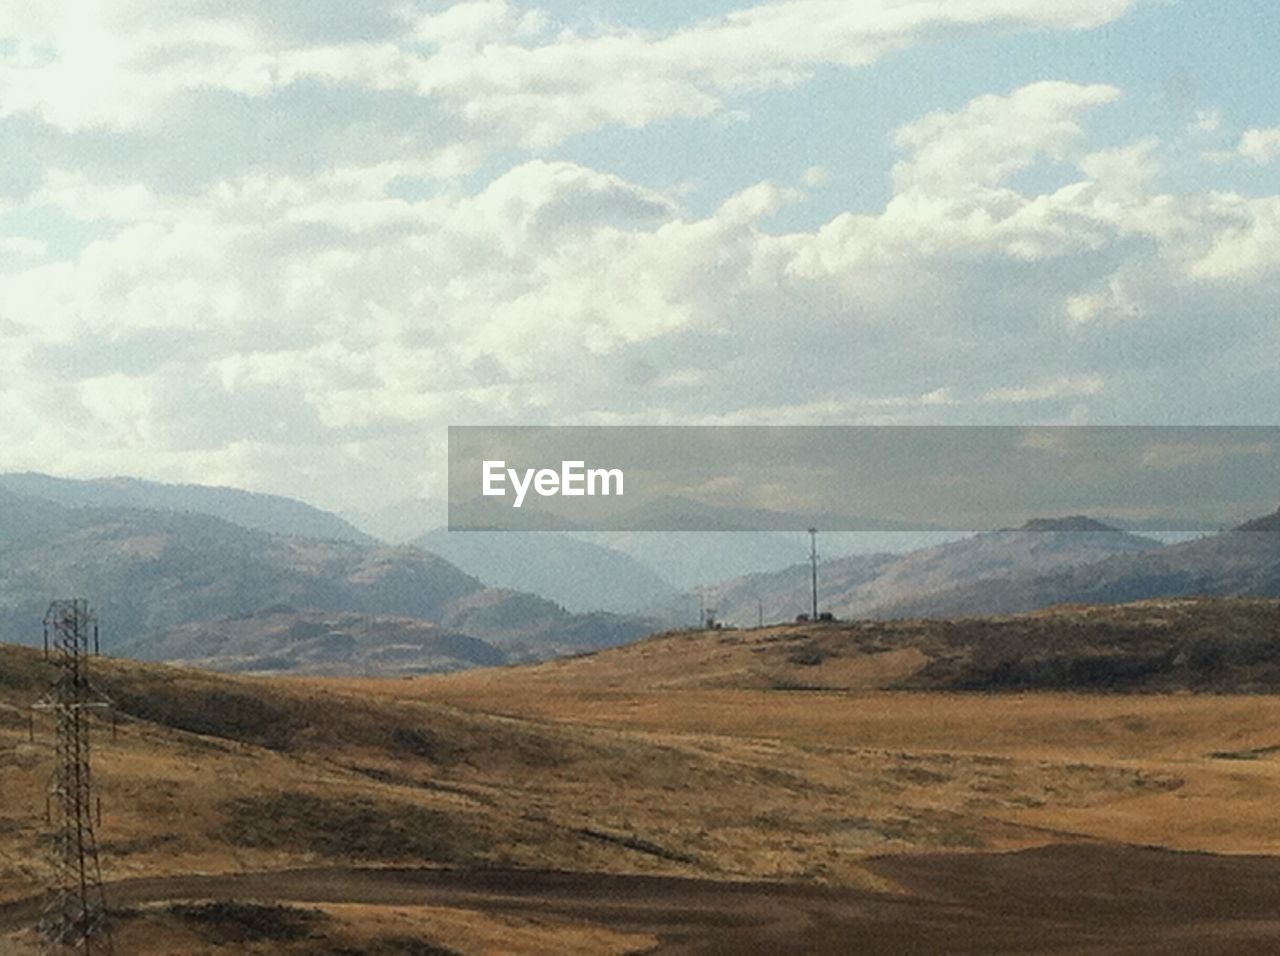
[[677, 756]]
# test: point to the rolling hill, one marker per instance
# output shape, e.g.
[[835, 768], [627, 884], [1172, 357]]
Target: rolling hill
[[1212, 645], [740, 791], [282, 639]]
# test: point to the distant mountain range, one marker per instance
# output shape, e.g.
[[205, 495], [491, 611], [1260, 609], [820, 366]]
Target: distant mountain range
[[151, 571], [272, 513], [671, 559], [292, 587], [1241, 562], [883, 585], [578, 574]]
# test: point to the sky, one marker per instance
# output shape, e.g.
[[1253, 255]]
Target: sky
[[283, 245]]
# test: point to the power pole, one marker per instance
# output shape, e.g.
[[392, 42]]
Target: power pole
[[813, 562], [75, 918]]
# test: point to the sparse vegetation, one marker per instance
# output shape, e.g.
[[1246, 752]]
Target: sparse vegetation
[[225, 922], [350, 828]]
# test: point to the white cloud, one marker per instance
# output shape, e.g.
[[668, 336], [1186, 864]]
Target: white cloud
[[1260, 146], [995, 136], [311, 328], [1069, 386], [121, 64]]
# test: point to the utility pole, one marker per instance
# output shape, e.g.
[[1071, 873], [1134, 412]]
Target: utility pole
[[813, 562], [759, 613], [75, 918]]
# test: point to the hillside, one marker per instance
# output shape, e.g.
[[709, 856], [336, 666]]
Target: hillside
[[214, 773], [574, 573], [260, 512], [1244, 561], [692, 775], [149, 570], [530, 628], [282, 639], [877, 585], [1202, 645]]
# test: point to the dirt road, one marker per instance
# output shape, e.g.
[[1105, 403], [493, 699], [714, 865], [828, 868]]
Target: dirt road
[[1058, 899]]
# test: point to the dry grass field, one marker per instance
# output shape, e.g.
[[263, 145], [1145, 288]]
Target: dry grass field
[[782, 762]]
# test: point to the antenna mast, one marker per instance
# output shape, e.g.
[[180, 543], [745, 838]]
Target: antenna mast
[[813, 562]]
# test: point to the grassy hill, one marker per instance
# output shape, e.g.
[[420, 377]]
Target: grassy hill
[[1204, 645], [701, 754], [282, 639], [215, 773]]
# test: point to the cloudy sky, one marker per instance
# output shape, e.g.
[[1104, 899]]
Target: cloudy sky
[[282, 244]]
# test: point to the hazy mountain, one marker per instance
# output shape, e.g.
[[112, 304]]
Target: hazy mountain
[[876, 585], [401, 521], [149, 570], [1041, 545], [248, 509], [578, 574], [1241, 562], [775, 596], [22, 517], [317, 642], [692, 558], [528, 627]]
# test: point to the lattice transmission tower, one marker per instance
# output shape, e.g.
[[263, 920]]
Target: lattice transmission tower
[[75, 919]]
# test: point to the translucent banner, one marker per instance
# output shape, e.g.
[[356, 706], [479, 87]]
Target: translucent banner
[[859, 478]]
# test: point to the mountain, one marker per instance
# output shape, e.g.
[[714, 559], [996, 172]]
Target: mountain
[[1040, 546], [165, 581], [22, 517], [775, 595], [530, 628], [1244, 561], [577, 574], [248, 509], [877, 585], [150, 570], [401, 521], [315, 642], [692, 558]]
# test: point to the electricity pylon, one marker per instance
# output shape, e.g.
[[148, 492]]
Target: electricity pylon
[[75, 919]]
